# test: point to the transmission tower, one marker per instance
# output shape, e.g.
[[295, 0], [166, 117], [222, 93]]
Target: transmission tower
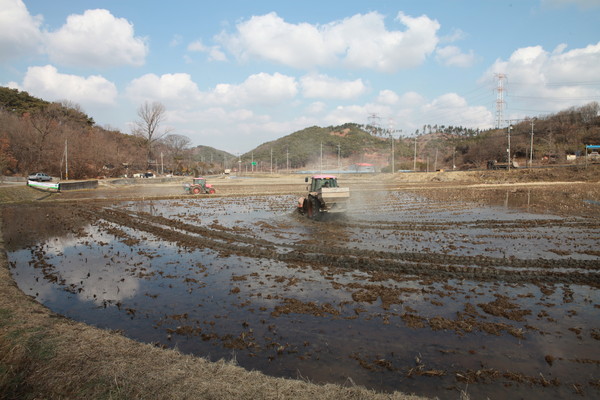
[[500, 103], [375, 124]]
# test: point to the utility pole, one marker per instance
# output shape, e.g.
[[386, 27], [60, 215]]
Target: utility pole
[[271, 160], [66, 161], [339, 151], [391, 133], [287, 159], [454, 159], [531, 147], [415, 158], [508, 149], [392, 139]]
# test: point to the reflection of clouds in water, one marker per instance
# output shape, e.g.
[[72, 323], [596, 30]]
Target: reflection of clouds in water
[[30, 281], [55, 246], [87, 268], [110, 283]]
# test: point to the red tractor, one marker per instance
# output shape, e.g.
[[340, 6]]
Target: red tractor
[[199, 186]]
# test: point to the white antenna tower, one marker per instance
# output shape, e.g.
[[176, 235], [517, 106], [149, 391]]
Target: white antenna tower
[[500, 98]]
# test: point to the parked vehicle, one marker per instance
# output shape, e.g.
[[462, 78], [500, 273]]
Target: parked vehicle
[[40, 177]]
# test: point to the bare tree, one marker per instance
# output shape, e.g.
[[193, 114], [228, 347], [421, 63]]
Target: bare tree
[[176, 146], [46, 123], [151, 115]]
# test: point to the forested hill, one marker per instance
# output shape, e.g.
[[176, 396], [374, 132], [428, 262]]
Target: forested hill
[[348, 142], [18, 102], [555, 136]]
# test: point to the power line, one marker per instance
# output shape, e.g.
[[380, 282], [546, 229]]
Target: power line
[[551, 98], [565, 83]]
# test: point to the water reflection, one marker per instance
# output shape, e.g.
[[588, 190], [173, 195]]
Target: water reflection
[[389, 332]]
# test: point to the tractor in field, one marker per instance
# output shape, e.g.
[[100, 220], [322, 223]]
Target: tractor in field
[[324, 196], [199, 186]]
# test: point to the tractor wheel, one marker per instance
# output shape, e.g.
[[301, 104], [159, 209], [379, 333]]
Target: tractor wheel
[[196, 190], [313, 208], [211, 191]]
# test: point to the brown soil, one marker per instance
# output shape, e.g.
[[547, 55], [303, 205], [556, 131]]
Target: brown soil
[[43, 355]]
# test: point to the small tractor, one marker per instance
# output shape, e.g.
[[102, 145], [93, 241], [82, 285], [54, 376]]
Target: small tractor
[[199, 186], [324, 196]]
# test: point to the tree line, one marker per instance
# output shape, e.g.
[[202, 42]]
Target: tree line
[[59, 138]]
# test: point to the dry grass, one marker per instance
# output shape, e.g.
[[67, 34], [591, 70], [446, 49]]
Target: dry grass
[[46, 356]]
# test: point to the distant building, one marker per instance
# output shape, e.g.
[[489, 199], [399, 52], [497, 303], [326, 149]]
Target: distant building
[[362, 168]]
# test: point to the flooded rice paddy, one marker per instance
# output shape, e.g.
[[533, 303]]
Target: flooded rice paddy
[[405, 292]]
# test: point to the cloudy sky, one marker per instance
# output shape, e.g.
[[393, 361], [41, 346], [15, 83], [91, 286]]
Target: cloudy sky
[[235, 74]]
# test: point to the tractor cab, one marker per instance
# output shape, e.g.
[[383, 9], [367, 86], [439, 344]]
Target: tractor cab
[[322, 181], [199, 181]]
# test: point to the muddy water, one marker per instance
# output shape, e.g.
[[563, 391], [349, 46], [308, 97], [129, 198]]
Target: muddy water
[[403, 293]]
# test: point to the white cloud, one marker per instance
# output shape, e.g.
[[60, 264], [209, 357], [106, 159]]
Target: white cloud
[[452, 109], [261, 89], [197, 45], [47, 83], [582, 64], [361, 41], [173, 89], [388, 97], [411, 99], [96, 39], [224, 112], [270, 37], [20, 33], [325, 87], [452, 56], [553, 80], [214, 52], [93, 89], [180, 91], [343, 114], [454, 36], [316, 107]]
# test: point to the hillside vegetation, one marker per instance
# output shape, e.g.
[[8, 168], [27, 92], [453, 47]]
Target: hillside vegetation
[[36, 135]]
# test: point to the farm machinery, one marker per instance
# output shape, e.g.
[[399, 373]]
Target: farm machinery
[[199, 186], [324, 196]]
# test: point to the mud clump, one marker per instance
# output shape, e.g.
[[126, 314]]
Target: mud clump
[[502, 307]]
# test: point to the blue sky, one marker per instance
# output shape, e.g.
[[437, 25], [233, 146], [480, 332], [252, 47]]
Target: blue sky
[[235, 74]]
